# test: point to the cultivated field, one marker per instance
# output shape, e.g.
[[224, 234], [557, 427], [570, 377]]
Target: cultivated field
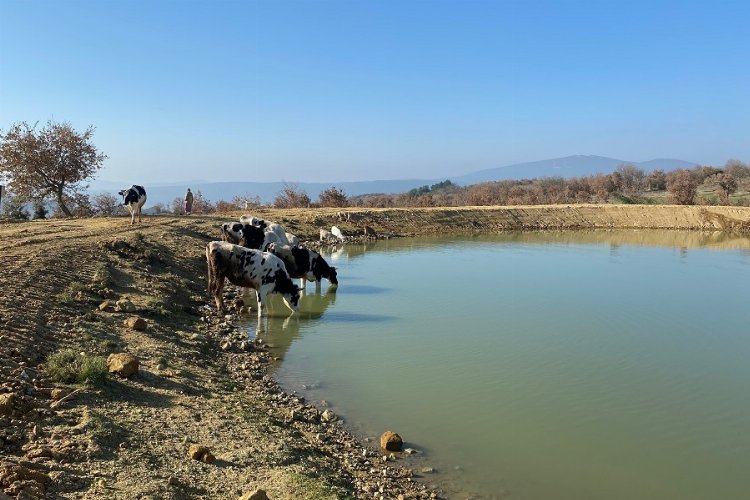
[[198, 383]]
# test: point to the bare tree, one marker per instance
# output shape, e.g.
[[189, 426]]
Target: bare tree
[[201, 204], [630, 179], [53, 161], [107, 204], [333, 197], [292, 196], [725, 185], [682, 187], [656, 180]]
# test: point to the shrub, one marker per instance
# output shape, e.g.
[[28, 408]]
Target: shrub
[[333, 197], [68, 367], [40, 210], [14, 207], [291, 196]]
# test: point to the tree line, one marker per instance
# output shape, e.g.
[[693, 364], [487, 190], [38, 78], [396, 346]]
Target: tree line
[[54, 162]]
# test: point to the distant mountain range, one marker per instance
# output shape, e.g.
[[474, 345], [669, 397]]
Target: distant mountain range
[[570, 166]]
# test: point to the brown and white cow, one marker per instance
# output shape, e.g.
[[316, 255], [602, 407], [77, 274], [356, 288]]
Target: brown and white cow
[[249, 268]]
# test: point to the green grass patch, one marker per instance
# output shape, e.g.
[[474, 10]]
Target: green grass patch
[[70, 367]]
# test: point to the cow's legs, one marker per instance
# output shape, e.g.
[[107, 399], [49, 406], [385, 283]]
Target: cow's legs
[[132, 214], [218, 285], [261, 295]]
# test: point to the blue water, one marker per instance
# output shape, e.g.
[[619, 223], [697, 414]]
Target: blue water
[[540, 365]]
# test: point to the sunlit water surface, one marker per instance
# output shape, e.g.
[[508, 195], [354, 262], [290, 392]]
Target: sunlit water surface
[[566, 365]]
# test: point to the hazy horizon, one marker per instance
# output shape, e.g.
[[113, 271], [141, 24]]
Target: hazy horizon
[[352, 91]]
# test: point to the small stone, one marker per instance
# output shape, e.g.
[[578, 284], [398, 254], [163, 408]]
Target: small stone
[[208, 458], [255, 495], [136, 323], [122, 364], [328, 416], [107, 306], [124, 305], [196, 451], [410, 451], [6, 403], [427, 470], [391, 441]]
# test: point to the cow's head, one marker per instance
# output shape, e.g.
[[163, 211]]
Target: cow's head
[[231, 232], [321, 269], [124, 194], [332, 276], [284, 286]]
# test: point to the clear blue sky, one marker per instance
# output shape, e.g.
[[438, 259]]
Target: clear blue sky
[[333, 91]]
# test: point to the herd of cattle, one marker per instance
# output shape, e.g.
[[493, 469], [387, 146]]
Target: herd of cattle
[[258, 254]]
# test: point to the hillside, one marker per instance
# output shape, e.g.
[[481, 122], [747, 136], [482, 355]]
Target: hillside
[[200, 381], [571, 166]]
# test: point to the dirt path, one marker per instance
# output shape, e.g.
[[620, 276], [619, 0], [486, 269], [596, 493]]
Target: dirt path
[[199, 382]]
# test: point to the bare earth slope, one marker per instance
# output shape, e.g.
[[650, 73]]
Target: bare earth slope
[[198, 383]]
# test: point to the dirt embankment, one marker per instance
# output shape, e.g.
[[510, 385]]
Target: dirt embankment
[[198, 382]]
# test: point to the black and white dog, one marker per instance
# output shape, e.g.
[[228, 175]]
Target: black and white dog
[[134, 198]]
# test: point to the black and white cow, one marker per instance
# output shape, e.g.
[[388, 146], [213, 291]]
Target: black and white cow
[[305, 264], [282, 236], [134, 198], [248, 236], [248, 268]]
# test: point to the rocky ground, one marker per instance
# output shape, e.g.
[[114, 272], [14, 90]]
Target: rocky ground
[[100, 286]]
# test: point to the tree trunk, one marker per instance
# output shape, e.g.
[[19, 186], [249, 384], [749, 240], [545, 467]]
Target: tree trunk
[[62, 205]]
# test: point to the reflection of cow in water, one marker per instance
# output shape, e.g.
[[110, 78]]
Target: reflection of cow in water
[[281, 331]]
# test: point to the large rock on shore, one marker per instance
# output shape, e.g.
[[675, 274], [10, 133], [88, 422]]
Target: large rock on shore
[[391, 441], [122, 364]]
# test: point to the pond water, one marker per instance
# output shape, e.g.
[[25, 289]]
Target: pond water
[[566, 365]]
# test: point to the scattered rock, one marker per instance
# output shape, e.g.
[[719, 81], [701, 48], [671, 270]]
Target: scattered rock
[[410, 451], [124, 305], [6, 403], [122, 364], [201, 453], [328, 416], [427, 470], [136, 323], [391, 441], [107, 306], [255, 495]]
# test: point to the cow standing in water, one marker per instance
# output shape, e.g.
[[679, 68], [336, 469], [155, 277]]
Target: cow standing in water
[[134, 198], [249, 268]]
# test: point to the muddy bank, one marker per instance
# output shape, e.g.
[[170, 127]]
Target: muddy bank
[[198, 383], [420, 221]]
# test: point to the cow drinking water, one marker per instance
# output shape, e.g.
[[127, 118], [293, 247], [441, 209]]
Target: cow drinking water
[[305, 264], [248, 268]]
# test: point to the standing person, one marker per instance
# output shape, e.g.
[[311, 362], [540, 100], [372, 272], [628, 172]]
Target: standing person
[[188, 202]]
